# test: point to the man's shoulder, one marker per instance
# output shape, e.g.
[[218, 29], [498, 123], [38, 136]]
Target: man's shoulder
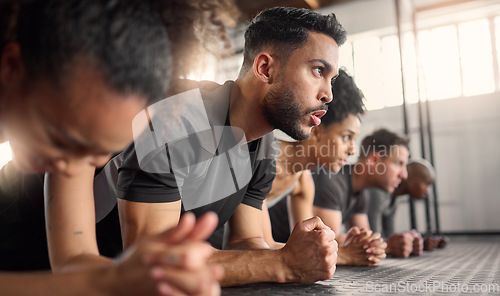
[[183, 85], [268, 148]]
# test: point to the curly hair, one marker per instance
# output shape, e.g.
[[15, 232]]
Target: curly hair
[[137, 45], [347, 99], [8, 19], [197, 29]]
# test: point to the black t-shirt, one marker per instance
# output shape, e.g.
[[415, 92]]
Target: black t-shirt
[[334, 191], [197, 157], [23, 241]]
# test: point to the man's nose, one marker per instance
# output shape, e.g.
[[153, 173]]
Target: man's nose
[[404, 174], [352, 149], [326, 95]]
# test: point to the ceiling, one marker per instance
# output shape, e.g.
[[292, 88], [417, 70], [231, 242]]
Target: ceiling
[[250, 8]]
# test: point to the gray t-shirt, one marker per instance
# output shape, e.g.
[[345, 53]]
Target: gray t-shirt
[[334, 191], [381, 212]]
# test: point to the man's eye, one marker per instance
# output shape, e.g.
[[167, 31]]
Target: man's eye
[[318, 71], [347, 138]]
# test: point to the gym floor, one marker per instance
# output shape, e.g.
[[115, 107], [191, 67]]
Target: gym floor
[[468, 265]]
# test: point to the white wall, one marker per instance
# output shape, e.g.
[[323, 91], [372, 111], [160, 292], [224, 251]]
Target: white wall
[[364, 15], [466, 138]]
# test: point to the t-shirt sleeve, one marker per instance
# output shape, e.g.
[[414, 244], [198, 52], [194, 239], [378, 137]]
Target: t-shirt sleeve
[[260, 184], [328, 189], [155, 184], [263, 174]]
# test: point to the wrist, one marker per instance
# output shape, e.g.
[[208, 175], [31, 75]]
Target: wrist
[[286, 272], [341, 256]]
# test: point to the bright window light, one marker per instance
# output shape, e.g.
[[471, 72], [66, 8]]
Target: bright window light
[[497, 39], [391, 72], [476, 58], [206, 71], [410, 68], [440, 59], [5, 153], [367, 68], [345, 57], [377, 71]]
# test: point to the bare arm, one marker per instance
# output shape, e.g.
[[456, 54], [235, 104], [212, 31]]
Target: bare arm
[[331, 218], [309, 255], [267, 229], [70, 216], [138, 219], [361, 221], [302, 199]]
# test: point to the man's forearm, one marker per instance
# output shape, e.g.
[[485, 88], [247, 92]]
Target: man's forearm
[[252, 266], [309, 255]]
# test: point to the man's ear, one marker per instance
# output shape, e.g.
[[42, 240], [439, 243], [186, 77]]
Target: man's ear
[[373, 158], [264, 67], [12, 71]]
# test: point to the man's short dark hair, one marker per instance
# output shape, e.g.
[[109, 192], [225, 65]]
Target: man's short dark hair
[[286, 29], [347, 100], [125, 40], [382, 141]]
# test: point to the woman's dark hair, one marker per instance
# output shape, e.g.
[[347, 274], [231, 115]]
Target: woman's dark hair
[[347, 99], [126, 40]]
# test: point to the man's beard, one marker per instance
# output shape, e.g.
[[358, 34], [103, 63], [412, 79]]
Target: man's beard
[[281, 109]]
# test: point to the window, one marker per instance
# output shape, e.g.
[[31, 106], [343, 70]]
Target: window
[[456, 60], [440, 62], [476, 57], [5, 153]]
